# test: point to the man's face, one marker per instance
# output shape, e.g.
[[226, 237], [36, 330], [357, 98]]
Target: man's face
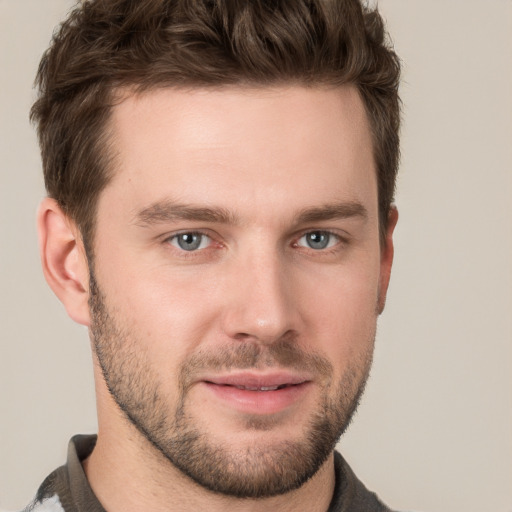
[[237, 278]]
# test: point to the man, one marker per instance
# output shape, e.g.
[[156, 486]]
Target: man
[[220, 179]]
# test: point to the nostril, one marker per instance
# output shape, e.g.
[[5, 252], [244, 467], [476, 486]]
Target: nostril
[[241, 336]]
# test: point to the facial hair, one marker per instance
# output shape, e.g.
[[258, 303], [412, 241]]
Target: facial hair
[[257, 470]]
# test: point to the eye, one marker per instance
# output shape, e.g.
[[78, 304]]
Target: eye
[[190, 241], [318, 240]]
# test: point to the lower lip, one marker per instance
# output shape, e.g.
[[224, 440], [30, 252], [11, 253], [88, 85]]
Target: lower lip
[[258, 402]]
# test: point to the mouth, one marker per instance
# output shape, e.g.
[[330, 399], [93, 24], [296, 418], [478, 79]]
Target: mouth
[[258, 394], [257, 388]]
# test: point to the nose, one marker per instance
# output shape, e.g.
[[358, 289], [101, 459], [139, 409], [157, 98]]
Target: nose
[[261, 302]]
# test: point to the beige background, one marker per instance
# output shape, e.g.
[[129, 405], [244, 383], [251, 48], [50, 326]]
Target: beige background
[[435, 429]]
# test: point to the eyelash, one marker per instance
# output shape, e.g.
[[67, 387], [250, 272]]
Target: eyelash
[[337, 240], [340, 241], [184, 252]]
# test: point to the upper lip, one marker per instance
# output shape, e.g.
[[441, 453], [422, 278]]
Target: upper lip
[[253, 380]]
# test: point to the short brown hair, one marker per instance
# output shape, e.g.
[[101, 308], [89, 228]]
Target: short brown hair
[[106, 45]]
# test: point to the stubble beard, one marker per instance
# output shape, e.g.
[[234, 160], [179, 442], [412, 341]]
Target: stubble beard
[[252, 471]]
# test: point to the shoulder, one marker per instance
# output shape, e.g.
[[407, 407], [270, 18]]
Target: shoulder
[[350, 493], [51, 504]]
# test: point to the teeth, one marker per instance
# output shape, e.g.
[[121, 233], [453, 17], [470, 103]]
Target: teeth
[[262, 388]]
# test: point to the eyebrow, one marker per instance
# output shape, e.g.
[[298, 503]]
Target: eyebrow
[[342, 210], [170, 211]]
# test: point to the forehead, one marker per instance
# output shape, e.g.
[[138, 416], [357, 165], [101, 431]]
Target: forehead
[[254, 149]]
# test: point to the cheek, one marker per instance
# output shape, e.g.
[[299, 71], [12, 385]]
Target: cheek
[[168, 312], [342, 313]]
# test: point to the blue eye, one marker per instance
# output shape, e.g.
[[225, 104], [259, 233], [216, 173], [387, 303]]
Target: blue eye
[[190, 241], [318, 240]]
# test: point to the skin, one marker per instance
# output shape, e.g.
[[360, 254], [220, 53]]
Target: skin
[[262, 157]]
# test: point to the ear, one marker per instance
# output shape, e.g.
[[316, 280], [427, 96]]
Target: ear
[[64, 260], [386, 259]]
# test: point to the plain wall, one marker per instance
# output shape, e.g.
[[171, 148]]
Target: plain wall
[[434, 432]]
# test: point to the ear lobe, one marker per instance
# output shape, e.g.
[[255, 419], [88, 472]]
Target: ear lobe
[[386, 259], [63, 259]]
